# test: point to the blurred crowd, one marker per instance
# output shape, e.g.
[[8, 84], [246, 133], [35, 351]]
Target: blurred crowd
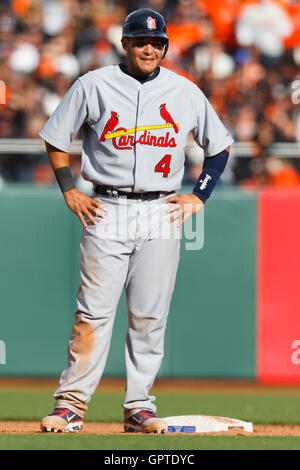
[[243, 54]]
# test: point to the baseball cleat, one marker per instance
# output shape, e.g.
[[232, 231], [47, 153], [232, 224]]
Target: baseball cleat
[[144, 421], [62, 420]]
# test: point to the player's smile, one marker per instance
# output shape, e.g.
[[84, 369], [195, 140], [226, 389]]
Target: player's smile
[[143, 55]]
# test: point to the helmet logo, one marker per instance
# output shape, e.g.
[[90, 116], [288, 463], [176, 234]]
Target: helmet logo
[[151, 23]]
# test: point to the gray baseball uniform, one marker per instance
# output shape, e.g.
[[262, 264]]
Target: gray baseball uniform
[[133, 139]]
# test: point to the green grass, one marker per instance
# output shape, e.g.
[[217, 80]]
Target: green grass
[[151, 442], [260, 408], [104, 407]]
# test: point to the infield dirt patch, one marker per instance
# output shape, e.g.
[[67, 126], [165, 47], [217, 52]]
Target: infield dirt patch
[[33, 427]]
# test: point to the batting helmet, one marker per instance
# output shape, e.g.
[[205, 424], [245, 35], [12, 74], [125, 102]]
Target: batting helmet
[[145, 23]]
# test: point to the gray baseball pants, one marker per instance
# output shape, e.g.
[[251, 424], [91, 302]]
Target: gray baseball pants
[[135, 247]]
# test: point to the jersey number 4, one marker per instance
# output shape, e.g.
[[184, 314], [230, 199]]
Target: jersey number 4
[[163, 166]]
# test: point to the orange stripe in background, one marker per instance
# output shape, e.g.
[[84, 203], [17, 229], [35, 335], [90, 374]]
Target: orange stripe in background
[[278, 287]]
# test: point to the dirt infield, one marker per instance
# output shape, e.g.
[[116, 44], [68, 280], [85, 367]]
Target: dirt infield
[[33, 427]]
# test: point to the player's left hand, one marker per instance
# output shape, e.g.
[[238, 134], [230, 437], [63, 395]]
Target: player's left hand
[[184, 205]]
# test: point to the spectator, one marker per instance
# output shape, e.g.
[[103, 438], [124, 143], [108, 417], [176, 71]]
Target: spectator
[[244, 54], [245, 124], [258, 175], [281, 173]]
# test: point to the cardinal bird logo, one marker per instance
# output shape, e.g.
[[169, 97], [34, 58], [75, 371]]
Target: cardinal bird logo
[[167, 117], [110, 125]]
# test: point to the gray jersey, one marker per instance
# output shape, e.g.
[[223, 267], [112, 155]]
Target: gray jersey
[[133, 134]]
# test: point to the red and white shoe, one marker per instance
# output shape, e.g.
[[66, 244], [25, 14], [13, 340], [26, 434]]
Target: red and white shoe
[[144, 421], [62, 420]]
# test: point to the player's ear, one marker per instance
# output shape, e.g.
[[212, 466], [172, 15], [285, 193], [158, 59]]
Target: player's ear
[[124, 42]]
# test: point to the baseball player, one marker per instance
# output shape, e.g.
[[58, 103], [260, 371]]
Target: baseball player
[[135, 118]]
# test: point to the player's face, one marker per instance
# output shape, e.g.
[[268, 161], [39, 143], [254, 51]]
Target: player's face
[[143, 55]]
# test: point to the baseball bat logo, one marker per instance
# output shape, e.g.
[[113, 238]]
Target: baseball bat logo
[[123, 138]]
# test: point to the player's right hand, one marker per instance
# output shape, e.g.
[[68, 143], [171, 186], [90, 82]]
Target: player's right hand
[[83, 205]]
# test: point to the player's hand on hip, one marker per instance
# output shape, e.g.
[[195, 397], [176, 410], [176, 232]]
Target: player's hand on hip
[[183, 205], [83, 205]]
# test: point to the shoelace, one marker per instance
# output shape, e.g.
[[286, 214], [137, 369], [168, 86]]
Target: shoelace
[[63, 413]]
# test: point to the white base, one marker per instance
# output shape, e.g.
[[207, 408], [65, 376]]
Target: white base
[[201, 423]]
